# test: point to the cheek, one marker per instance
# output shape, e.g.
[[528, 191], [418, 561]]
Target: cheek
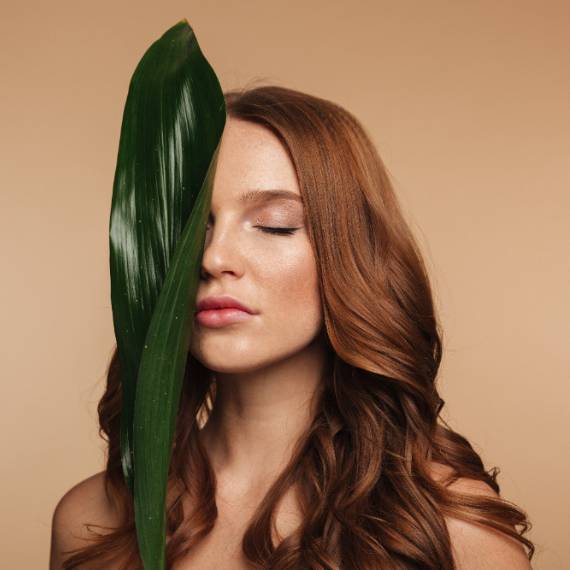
[[291, 290]]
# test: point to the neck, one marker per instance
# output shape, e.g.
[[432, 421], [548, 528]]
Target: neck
[[259, 415]]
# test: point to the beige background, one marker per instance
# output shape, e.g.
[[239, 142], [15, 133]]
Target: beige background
[[468, 103]]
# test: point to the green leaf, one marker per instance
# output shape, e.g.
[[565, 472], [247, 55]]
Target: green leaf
[[172, 125]]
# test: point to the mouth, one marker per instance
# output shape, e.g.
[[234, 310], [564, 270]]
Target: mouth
[[216, 302], [221, 317]]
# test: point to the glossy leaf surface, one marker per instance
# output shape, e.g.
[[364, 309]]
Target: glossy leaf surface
[[173, 120]]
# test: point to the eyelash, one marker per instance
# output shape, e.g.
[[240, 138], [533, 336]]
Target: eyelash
[[277, 231]]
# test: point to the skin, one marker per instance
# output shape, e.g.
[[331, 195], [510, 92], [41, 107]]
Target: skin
[[267, 368]]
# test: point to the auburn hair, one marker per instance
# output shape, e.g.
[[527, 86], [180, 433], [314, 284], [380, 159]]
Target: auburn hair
[[368, 499]]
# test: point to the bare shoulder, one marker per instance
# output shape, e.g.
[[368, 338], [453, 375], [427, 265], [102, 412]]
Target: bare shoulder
[[85, 503], [475, 546]]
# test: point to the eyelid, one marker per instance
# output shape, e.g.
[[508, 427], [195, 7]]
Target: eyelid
[[286, 205], [260, 221]]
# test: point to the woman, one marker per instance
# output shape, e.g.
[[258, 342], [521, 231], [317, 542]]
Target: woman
[[308, 433]]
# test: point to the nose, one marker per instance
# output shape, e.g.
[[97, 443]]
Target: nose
[[221, 254]]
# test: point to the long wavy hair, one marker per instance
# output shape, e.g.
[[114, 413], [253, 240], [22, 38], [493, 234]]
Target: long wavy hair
[[363, 466]]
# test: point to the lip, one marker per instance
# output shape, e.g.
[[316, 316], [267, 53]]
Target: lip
[[222, 302], [216, 318], [219, 311]]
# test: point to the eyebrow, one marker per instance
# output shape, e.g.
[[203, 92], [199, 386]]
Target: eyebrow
[[267, 195]]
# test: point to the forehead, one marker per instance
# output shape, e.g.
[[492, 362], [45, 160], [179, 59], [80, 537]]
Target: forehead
[[253, 167]]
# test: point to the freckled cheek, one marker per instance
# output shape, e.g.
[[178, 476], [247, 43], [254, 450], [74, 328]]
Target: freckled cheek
[[292, 288]]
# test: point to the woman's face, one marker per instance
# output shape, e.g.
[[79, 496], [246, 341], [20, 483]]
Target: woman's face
[[275, 275]]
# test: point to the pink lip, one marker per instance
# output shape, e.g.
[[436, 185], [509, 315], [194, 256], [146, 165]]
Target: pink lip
[[221, 302], [216, 318], [219, 311]]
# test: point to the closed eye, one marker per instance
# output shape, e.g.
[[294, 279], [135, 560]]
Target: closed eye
[[278, 231], [269, 230]]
